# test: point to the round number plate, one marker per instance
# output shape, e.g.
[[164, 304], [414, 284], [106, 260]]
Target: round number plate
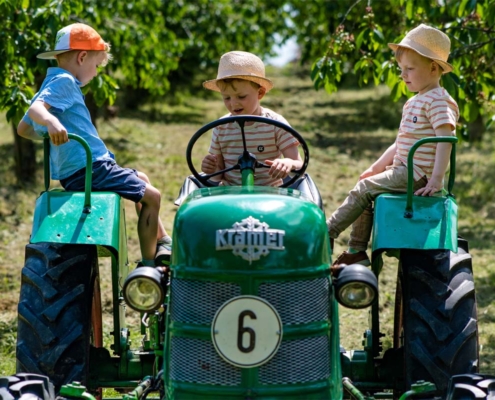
[[246, 331]]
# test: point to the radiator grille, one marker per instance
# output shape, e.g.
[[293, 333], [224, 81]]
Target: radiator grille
[[298, 361], [298, 302], [197, 301], [196, 361]]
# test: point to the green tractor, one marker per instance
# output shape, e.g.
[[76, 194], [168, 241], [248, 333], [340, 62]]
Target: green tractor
[[249, 306]]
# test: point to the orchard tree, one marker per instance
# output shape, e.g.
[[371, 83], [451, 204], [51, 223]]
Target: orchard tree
[[346, 37], [155, 43]]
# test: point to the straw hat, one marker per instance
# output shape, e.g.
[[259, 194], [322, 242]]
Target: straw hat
[[428, 42], [240, 65]]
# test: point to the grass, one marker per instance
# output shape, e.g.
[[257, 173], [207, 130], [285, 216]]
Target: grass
[[346, 132]]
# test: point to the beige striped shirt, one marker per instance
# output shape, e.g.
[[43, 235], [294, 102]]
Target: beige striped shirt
[[421, 115], [266, 142]]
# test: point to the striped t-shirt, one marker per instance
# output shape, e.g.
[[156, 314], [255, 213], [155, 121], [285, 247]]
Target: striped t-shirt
[[266, 142], [421, 115]]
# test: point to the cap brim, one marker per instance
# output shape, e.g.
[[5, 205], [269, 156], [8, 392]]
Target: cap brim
[[50, 55], [445, 65], [264, 82]]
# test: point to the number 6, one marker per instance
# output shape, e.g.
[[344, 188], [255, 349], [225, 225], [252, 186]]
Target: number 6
[[242, 330]]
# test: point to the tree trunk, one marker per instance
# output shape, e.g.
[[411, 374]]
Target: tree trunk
[[476, 129], [24, 158]]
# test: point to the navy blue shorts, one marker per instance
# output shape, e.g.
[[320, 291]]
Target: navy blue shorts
[[108, 177]]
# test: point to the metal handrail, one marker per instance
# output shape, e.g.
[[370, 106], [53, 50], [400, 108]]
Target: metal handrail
[[410, 171], [89, 170]]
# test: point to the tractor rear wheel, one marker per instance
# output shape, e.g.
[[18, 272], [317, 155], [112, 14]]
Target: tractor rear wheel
[[439, 316], [54, 324]]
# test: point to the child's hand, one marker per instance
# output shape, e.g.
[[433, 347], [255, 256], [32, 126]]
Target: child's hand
[[367, 173], [57, 132], [209, 164], [433, 186], [280, 167]]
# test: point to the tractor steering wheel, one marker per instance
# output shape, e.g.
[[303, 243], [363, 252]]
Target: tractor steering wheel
[[246, 160]]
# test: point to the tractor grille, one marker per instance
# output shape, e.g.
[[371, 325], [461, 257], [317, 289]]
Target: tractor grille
[[196, 361], [197, 301], [298, 302], [298, 361]]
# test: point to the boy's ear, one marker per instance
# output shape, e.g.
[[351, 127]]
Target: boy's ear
[[81, 56], [261, 92], [435, 67]]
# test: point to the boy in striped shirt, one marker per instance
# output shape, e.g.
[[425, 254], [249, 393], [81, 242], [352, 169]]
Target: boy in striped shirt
[[422, 57], [241, 81]]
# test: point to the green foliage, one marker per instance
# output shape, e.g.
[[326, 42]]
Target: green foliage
[[355, 38], [154, 42]]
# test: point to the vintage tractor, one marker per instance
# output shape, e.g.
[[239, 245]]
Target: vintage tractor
[[249, 307]]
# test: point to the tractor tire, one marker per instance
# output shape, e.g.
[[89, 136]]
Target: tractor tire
[[26, 386], [471, 387], [440, 328], [54, 311]]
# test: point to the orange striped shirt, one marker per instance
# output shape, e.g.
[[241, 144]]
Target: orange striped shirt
[[266, 142], [421, 115]]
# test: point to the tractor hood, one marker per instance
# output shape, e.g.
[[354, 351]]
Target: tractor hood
[[239, 228]]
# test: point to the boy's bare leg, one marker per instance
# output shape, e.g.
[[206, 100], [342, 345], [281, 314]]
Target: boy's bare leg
[[148, 222], [161, 232], [161, 229]]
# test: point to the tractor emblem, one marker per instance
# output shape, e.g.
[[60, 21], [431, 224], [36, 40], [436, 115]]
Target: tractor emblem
[[250, 239]]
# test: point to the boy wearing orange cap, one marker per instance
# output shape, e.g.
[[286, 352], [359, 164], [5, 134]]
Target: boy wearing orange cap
[[59, 108], [242, 83], [422, 57]]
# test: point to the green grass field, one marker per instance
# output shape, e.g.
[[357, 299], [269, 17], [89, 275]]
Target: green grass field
[[346, 132]]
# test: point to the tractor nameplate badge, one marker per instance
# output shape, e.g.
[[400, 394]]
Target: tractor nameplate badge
[[250, 239], [246, 331]]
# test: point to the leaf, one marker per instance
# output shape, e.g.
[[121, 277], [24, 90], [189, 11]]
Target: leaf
[[410, 9], [360, 37], [462, 7]]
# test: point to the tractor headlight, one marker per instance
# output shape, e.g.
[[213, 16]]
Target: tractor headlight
[[356, 287], [144, 289]]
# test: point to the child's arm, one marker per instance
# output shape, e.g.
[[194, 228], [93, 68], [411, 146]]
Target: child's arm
[[26, 131], [281, 167], [442, 157], [38, 112], [386, 159]]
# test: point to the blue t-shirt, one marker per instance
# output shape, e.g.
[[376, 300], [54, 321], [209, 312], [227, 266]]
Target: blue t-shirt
[[61, 91]]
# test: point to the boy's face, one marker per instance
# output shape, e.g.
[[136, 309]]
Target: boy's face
[[88, 64], [419, 73], [242, 98]]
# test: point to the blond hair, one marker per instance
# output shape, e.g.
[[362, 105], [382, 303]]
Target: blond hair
[[222, 84]]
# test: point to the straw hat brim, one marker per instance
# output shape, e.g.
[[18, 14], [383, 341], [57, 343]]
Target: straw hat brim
[[263, 82], [445, 65]]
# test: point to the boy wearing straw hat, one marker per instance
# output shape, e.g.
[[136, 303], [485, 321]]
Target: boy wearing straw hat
[[422, 57], [242, 83], [59, 108]]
